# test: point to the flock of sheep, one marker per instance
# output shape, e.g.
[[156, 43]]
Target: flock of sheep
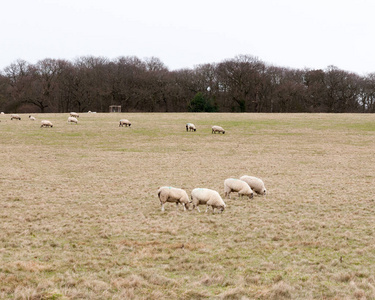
[[73, 118], [245, 186]]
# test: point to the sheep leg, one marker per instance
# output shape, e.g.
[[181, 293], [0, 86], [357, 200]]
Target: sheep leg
[[162, 207], [176, 205]]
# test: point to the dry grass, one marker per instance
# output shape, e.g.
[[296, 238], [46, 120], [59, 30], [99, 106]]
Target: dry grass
[[80, 218]]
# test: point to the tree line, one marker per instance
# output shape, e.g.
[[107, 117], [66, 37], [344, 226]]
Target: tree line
[[241, 84]]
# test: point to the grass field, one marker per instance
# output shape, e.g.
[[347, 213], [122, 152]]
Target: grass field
[[80, 217]]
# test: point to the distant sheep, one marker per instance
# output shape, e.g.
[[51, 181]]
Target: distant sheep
[[72, 120], [46, 123], [15, 116], [218, 129], [124, 122], [207, 197], [2, 113], [75, 115], [190, 127], [32, 118], [237, 185], [256, 184], [171, 194]]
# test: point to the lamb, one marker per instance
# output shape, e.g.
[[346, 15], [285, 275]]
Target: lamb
[[171, 194], [256, 184], [190, 127], [237, 185], [15, 116], [124, 122], [72, 120], [208, 197], [218, 129], [32, 118], [75, 115], [46, 123]]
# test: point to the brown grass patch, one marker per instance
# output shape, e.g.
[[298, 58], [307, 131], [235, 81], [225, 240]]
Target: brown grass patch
[[80, 218]]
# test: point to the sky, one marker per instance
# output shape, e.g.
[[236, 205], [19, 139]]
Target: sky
[[299, 34]]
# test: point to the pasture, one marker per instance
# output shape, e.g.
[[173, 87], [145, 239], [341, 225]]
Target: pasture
[[80, 217]]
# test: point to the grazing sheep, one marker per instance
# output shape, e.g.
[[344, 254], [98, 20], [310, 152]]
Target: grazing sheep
[[237, 185], [75, 115], [256, 184], [15, 116], [46, 123], [218, 129], [124, 122], [171, 194], [2, 113], [190, 127], [32, 118], [72, 120], [208, 197]]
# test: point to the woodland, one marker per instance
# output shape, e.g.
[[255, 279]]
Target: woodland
[[240, 84]]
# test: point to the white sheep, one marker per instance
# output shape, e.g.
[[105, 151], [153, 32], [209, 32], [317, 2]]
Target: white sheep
[[124, 122], [15, 116], [172, 194], [190, 127], [208, 197], [72, 120], [2, 113], [32, 118], [256, 184], [237, 185], [74, 114], [46, 123], [218, 129]]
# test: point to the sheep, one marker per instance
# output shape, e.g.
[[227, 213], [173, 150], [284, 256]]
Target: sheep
[[256, 184], [15, 116], [46, 123], [237, 185], [218, 129], [172, 194], [124, 122], [75, 115], [190, 127], [208, 197], [72, 120], [32, 118], [2, 113]]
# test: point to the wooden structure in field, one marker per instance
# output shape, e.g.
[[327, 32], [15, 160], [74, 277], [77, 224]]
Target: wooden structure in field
[[115, 108]]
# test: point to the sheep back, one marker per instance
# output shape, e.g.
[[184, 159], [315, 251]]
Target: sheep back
[[218, 129], [172, 194], [207, 196], [191, 127], [237, 185], [124, 122], [15, 116], [72, 120], [255, 183], [46, 123]]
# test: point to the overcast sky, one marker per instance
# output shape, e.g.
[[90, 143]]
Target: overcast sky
[[182, 34]]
